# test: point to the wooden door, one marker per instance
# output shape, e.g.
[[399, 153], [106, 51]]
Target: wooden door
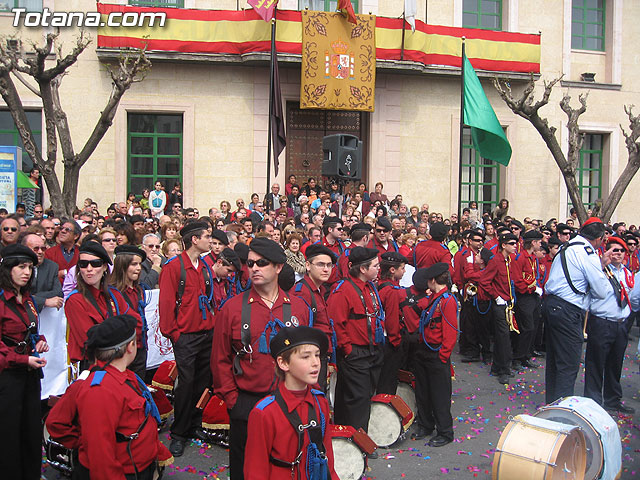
[[305, 130]]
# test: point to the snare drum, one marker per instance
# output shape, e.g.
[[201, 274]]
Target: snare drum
[[165, 376], [390, 417], [59, 457], [407, 389], [332, 381], [539, 449], [350, 450], [602, 437], [215, 421]]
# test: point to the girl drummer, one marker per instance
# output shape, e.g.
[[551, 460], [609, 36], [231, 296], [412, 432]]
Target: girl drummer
[[20, 448]]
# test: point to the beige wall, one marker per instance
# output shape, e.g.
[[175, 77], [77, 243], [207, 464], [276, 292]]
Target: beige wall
[[413, 131]]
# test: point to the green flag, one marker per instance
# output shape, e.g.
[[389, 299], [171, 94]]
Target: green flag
[[486, 132]]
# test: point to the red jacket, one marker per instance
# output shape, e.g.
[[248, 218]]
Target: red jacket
[[55, 254], [524, 273], [471, 272], [189, 316], [391, 246], [410, 316], [344, 303], [320, 316], [222, 289], [15, 327], [458, 259], [430, 252], [390, 297], [498, 277], [102, 410], [338, 248], [442, 330], [271, 434], [131, 296], [82, 315], [258, 368]]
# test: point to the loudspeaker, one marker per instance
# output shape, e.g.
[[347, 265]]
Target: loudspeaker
[[342, 157]]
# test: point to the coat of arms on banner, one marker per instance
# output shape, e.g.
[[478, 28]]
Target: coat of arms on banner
[[338, 62]]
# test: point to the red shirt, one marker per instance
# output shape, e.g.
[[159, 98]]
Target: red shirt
[[189, 317], [430, 252], [411, 317], [342, 267], [442, 330], [82, 315], [130, 296], [345, 303], [320, 317], [391, 246], [524, 273], [498, 277], [458, 258], [258, 368], [390, 297], [633, 262], [471, 273], [15, 327], [338, 248], [221, 286], [55, 254], [102, 410], [270, 433], [406, 251]]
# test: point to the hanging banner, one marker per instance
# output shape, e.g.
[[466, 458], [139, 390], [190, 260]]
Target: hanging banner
[[10, 163], [338, 62]]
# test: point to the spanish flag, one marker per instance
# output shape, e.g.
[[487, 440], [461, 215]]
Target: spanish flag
[[346, 8]]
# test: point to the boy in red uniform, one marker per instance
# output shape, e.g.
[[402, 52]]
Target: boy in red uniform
[[114, 415], [276, 447]]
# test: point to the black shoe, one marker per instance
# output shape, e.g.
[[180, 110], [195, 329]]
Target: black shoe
[[200, 434], [503, 379], [439, 441], [420, 433], [621, 409], [475, 358], [530, 364], [373, 455], [176, 447], [538, 353], [517, 367]]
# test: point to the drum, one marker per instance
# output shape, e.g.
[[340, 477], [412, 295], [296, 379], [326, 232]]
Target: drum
[[215, 419], [390, 418], [332, 381], [164, 405], [539, 449], [406, 389], [350, 450], [165, 375], [602, 437], [59, 457]]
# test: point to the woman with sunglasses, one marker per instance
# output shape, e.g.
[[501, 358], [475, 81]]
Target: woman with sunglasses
[[93, 300], [20, 447], [108, 240]]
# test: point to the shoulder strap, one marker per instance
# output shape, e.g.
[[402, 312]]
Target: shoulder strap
[[181, 284], [565, 269], [245, 318]]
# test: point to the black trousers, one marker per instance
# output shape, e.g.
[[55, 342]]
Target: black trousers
[[139, 364], [394, 360], [433, 387], [238, 422], [606, 345], [538, 341], [564, 339], [475, 338], [20, 424], [525, 309], [358, 376], [192, 352], [468, 341], [502, 354], [80, 472]]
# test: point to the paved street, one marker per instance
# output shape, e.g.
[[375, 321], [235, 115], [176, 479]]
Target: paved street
[[481, 409]]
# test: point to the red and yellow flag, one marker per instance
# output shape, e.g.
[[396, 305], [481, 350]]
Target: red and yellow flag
[[347, 10]]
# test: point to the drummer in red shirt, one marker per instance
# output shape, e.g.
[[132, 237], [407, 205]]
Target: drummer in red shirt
[[431, 358], [281, 443], [433, 250]]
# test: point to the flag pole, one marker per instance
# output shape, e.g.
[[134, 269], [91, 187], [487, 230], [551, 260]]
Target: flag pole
[[461, 131], [404, 21], [272, 58]]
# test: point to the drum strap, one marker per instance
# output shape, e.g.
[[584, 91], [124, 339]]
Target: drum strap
[[378, 313]]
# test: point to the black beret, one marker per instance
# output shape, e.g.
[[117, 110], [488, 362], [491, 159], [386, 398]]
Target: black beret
[[361, 226], [318, 249], [232, 257], [516, 223], [289, 337], [547, 229], [554, 241], [268, 249], [242, 249], [631, 238], [131, 250], [360, 255], [193, 227], [220, 236], [507, 237], [436, 269], [19, 251], [476, 233], [545, 247], [286, 277], [95, 249], [561, 227], [486, 255], [331, 220], [113, 333], [136, 218], [384, 223], [419, 279], [438, 231], [532, 235], [393, 257]]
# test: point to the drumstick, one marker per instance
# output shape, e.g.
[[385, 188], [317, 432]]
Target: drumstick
[[584, 329]]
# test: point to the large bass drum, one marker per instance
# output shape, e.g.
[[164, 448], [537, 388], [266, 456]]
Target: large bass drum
[[350, 450]]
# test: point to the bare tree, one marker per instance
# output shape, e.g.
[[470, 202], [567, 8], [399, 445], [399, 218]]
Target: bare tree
[[527, 108], [14, 62]]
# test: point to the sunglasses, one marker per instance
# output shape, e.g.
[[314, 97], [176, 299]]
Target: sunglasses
[[152, 246], [263, 262], [39, 249], [109, 240], [512, 243], [97, 263], [66, 229], [37, 211], [6, 229], [632, 244], [617, 250], [381, 230]]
